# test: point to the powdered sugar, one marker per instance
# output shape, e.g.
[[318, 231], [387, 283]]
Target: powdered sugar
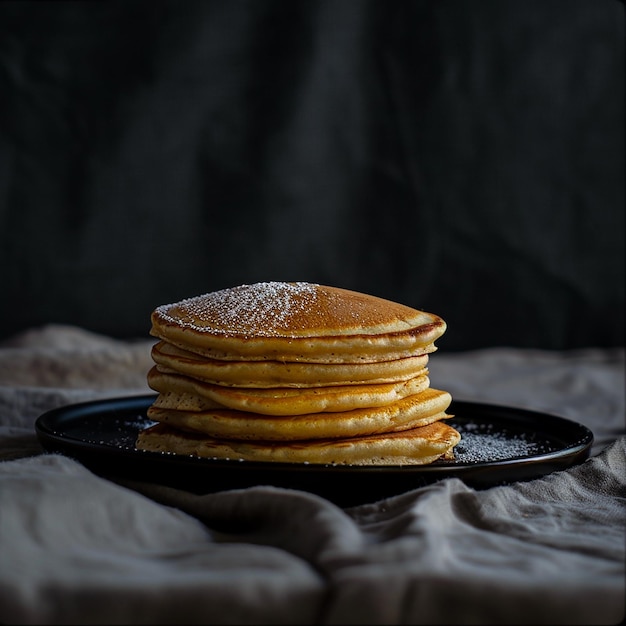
[[265, 308], [483, 442]]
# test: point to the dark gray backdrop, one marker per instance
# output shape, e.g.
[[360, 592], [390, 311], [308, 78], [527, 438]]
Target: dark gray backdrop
[[461, 157]]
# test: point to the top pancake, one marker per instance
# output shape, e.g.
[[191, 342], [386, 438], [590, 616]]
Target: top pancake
[[296, 322]]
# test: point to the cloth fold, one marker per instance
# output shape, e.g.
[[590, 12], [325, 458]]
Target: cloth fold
[[78, 548]]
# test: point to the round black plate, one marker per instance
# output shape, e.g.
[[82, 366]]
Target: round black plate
[[499, 445]]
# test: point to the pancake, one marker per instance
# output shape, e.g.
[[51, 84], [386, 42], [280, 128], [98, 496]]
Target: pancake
[[299, 373], [189, 394], [296, 322], [264, 374], [417, 446], [417, 410]]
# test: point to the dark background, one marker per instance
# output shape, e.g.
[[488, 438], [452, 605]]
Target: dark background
[[462, 157]]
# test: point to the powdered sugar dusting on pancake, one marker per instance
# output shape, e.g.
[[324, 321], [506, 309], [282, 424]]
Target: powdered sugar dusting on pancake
[[262, 308]]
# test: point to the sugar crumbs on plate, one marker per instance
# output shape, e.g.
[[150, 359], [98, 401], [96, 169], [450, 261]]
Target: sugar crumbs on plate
[[482, 443]]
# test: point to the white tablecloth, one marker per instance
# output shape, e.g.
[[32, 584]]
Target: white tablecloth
[[78, 548]]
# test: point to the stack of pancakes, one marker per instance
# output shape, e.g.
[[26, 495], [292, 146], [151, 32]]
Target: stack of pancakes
[[296, 372]]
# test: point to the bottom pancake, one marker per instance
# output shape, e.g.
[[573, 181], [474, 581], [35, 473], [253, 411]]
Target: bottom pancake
[[417, 446]]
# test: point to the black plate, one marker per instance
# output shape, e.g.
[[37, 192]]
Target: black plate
[[499, 445]]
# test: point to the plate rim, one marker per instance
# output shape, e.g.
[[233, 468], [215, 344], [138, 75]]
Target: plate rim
[[46, 434]]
